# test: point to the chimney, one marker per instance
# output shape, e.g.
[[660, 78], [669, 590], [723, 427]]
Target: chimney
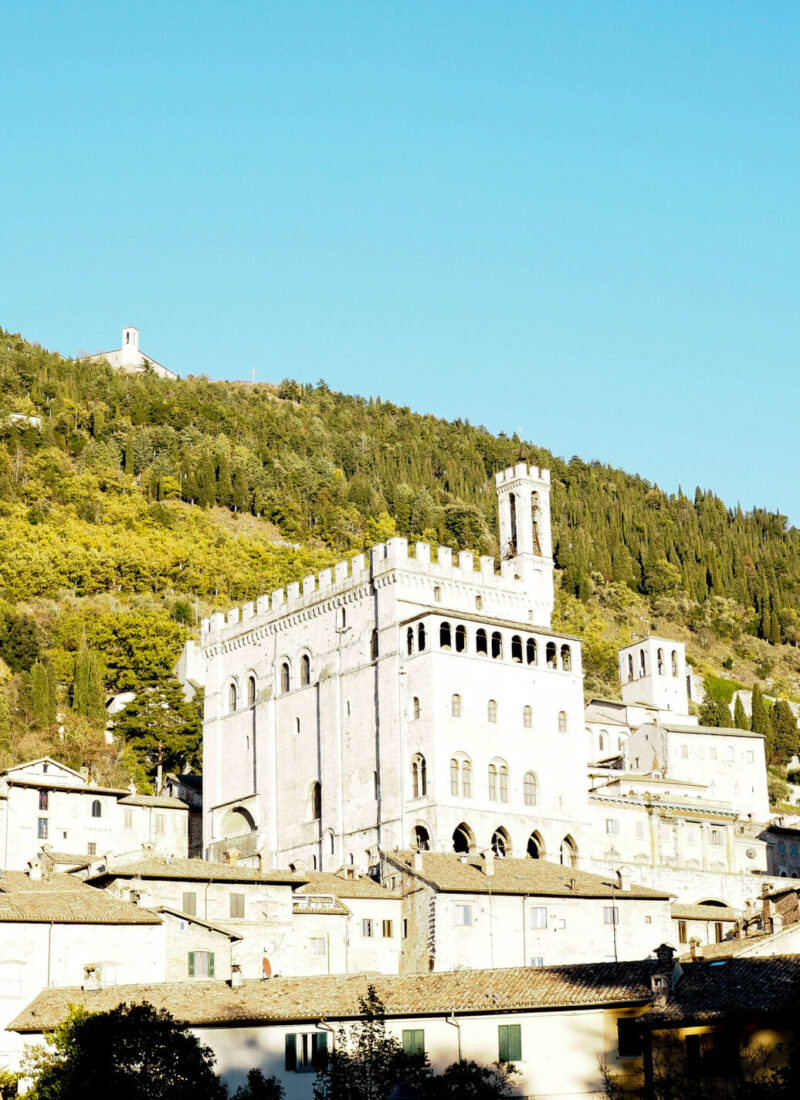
[[35, 870], [623, 878], [416, 862], [694, 944], [232, 856], [488, 862], [236, 977], [147, 850], [91, 978], [766, 908], [667, 972]]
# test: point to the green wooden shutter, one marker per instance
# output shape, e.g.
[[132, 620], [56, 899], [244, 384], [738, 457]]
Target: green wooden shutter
[[514, 1042], [419, 1042], [319, 1049], [191, 964], [408, 1042], [502, 1043], [291, 1051], [211, 964]]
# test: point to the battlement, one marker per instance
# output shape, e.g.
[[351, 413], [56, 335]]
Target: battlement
[[438, 563], [522, 469]]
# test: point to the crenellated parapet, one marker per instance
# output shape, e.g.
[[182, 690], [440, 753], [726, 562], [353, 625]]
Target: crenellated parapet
[[522, 469]]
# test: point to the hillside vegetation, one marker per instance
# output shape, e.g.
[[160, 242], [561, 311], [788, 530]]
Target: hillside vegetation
[[146, 498]]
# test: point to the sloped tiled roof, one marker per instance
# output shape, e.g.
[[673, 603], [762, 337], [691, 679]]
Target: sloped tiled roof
[[161, 800], [337, 996], [702, 912], [197, 920], [750, 987], [537, 877], [326, 882], [63, 899], [717, 731], [194, 870], [66, 859]]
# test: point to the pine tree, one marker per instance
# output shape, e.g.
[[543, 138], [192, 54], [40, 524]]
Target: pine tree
[[129, 456], [740, 719]]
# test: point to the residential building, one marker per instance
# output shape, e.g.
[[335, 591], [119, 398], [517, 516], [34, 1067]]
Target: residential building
[[703, 924], [476, 912]]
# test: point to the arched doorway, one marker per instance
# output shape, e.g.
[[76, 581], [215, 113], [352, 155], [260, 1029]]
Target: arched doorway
[[463, 839], [536, 849]]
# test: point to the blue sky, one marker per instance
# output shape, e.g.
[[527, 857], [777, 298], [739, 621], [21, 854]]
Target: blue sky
[[579, 220]]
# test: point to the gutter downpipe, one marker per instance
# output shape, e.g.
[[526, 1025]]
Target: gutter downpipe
[[453, 1022]]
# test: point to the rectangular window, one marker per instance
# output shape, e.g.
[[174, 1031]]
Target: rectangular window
[[781, 846], [463, 914], [749, 756], [41, 828], [91, 848], [684, 752], [536, 960], [539, 916], [794, 850], [405, 929], [509, 1042], [237, 906], [610, 914], [307, 1051], [43, 799], [318, 945], [158, 824], [639, 830], [713, 754], [128, 818], [388, 929], [190, 903], [718, 931], [612, 826], [414, 1041], [716, 837], [366, 928], [629, 1040], [201, 964], [682, 935]]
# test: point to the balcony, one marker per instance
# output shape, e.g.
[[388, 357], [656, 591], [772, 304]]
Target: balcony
[[246, 844]]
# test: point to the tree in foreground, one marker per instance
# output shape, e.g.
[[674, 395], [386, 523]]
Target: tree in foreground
[[130, 1052], [259, 1087]]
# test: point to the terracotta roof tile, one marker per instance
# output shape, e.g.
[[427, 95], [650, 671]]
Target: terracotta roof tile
[[324, 882], [159, 867], [703, 912], [734, 986], [63, 899]]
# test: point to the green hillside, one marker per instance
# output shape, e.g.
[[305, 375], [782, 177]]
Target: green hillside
[[143, 497]]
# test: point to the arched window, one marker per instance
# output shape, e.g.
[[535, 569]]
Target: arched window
[[568, 853], [492, 710], [497, 644], [550, 658], [421, 637], [97, 809], [531, 654], [527, 717], [562, 721], [463, 839], [493, 782], [642, 664], [661, 662], [420, 839], [674, 662], [445, 636], [373, 646], [419, 778], [416, 709], [316, 801], [461, 639], [232, 698], [251, 690], [501, 843], [342, 618], [455, 706], [566, 658], [516, 649], [285, 676], [466, 779], [502, 775], [410, 640], [481, 647], [305, 670], [601, 741], [535, 846], [630, 666], [455, 777], [530, 789]]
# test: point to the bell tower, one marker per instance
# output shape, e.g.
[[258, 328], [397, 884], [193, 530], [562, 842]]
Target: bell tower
[[526, 544]]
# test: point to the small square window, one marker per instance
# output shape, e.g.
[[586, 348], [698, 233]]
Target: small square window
[[43, 799], [92, 848], [610, 914], [536, 960], [463, 914], [190, 903], [237, 906], [318, 945], [538, 917], [366, 928], [388, 929], [41, 829]]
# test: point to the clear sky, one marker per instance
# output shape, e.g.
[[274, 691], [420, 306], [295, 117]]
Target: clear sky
[[578, 220]]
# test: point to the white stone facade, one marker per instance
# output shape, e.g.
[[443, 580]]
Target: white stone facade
[[129, 358], [400, 700]]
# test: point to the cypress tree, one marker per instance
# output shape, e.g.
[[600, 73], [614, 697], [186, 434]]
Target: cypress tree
[[784, 732], [760, 721], [40, 695], [51, 691], [775, 629], [88, 693], [129, 456], [5, 723], [740, 719]]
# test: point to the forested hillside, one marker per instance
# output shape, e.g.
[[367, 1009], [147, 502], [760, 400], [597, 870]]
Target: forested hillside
[[136, 496]]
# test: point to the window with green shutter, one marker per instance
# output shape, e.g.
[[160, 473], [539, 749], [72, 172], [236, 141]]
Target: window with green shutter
[[509, 1041], [414, 1041], [319, 1049], [201, 964], [291, 1051]]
